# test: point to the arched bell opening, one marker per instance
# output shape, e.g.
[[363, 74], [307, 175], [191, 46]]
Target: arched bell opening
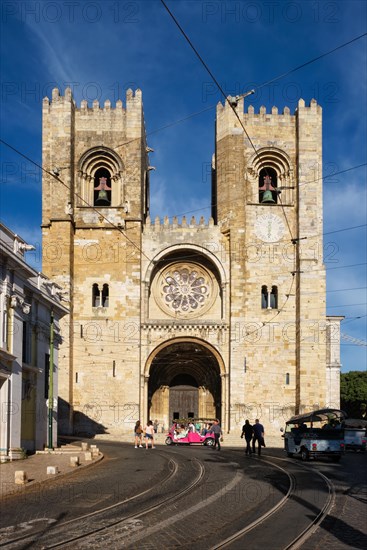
[[184, 382]]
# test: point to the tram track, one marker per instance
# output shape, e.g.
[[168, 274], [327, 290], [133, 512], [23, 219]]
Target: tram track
[[238, 538], [132, 521], [17, 542], [150, 532]]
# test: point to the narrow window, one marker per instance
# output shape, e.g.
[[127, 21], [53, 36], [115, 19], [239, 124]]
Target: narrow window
[[269, 298], [268, 186], [26, 348], [287, 378], [96, 298], [264, 297], [105, 295], [274, 297]]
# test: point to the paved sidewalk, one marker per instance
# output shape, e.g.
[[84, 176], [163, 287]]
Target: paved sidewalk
[[36, 465]]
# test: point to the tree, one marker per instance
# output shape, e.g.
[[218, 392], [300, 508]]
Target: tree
[[353, 393]]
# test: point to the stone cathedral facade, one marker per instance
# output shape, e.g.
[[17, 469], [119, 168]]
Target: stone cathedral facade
[[173, 318]]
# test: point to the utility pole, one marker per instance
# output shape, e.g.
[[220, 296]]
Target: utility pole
[[51, 383]]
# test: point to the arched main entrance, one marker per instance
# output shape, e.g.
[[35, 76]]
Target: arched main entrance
[[184, 381]]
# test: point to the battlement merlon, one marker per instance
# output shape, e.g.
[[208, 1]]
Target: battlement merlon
[[228, 124], [130, 117], [157, 225], [133, 100]]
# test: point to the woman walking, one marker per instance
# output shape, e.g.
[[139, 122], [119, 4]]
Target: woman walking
[[138, 432], [149, 435]]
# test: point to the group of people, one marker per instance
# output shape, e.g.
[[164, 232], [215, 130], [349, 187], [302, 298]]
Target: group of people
[[253, 433], [148, 433]]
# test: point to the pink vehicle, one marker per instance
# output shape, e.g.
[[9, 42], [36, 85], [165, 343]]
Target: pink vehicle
[[188, 438]]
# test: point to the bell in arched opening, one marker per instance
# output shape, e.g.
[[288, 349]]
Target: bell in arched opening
[[267, 190], [102, 198]]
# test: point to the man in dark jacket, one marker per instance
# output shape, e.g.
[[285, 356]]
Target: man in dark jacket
[[248, 432], [258, 436], [217, 432]]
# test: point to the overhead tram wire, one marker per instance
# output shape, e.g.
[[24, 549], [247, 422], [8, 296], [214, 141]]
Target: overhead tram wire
[[223, 94], [76, 195], [204, 110], [312, 60], [345, 229], [116, 226], [294, 241], [304, 183], [179, 121], [242, 125], [351, 319], [255, 88]]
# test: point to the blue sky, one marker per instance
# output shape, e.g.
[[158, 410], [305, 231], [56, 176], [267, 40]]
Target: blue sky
[[103, 48]]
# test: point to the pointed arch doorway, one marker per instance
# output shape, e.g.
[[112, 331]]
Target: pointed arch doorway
[[185, 380]]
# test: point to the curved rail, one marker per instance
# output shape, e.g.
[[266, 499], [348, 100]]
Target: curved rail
[[172, 469], [135, 516], [307, 532], [131, 522]]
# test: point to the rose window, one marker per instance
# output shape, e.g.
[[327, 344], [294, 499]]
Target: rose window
[[186, 289]]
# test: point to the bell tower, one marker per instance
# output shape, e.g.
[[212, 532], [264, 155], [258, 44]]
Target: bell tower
[[267, 196], [95, 201]]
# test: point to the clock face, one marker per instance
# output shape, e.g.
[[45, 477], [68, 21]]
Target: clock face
[[269, 228]]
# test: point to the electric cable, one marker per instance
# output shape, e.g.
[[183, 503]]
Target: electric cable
[[77, 196]]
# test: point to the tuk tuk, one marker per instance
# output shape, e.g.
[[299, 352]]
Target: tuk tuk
[[191, 431], [315, 434], [355, 434]]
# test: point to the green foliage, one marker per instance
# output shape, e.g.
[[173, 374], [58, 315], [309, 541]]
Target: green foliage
[[353, 393]]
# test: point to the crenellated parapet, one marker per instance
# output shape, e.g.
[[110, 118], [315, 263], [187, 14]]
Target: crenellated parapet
[[157, 225], [228, 123], [105, 117], [133, 100], [238, 105]]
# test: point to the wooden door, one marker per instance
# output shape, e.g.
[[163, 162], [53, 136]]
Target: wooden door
[[183, 402]]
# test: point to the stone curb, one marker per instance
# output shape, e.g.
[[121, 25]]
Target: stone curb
[[50, 478]]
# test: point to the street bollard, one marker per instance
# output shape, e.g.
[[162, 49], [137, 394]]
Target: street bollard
[[21, 477], [74, 461]]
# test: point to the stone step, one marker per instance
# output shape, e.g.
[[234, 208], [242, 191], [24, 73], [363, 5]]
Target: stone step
[[229, 440]]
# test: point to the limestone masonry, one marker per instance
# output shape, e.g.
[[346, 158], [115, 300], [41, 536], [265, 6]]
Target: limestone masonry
[[174, 318]]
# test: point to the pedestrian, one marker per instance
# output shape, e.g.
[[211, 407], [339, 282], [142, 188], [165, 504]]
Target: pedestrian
[[149, 435], [248, 432], [217, 432], [138, 432], [155, 425], [258, 436]]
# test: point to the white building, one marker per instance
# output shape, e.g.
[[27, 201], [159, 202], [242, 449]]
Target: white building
[[30, 309]]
